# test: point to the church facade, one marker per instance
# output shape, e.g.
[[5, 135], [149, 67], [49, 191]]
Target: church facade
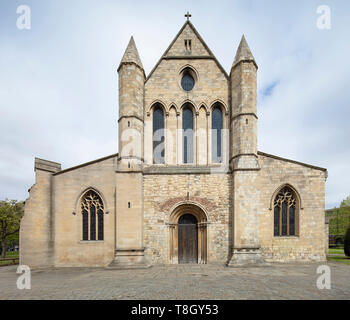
[[188, 184]]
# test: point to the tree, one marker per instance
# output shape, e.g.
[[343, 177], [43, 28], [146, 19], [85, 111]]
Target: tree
[[339, 218], [345, 202], [11, 212], [347, 243]]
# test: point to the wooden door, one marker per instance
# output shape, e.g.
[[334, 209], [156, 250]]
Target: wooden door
[[188, 239]]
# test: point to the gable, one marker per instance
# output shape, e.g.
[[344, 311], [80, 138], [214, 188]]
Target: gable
[[178, 48]]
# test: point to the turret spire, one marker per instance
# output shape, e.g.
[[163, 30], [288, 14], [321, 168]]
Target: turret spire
[[243, 53], [131, 54]]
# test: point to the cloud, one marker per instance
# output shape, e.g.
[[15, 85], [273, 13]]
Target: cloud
[[58, 84]]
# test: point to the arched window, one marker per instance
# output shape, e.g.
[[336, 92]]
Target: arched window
[[285, 213], [187, 126], [188, 79], [92, 212], [216, 135], [158, 135], [187, 82]]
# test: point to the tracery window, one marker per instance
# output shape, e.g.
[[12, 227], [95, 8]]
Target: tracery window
[[158, 135], [285, 213], [187, 125], [92, 211], [216, 135]]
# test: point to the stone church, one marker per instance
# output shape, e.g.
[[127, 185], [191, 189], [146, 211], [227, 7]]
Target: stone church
[[188, 184]]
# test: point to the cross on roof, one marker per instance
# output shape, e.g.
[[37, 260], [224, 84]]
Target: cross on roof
[[188, 15]]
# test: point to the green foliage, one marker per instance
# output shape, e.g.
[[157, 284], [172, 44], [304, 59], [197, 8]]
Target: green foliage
[[12, 254], [347, 243], [339, 218], [11, 212], [341, 259], [345, 202], [336, 251]]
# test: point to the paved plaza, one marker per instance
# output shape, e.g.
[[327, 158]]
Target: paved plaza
[[289, 281]]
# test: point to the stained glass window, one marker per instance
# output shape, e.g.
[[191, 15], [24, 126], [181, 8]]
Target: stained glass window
[[187, 82], [85, 225], [93, 223], [216, 135], [285, 213], [187, 125], [292, 221], [158, 135], [92, 216], [100, 224]]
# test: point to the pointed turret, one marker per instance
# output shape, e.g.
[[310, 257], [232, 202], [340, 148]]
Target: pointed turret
[[243, 53], [243, 108], [131, 54], [129, 192], [244, 159], [131, 95]]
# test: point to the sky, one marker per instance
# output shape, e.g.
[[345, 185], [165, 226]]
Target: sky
[[59, 89]]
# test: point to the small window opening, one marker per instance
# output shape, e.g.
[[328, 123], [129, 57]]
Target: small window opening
[[188, 44], [128, 123], [129, 205], [246, 121], [129, 164]]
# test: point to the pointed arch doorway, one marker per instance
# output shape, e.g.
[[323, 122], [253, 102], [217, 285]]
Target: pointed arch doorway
[[188, 234]]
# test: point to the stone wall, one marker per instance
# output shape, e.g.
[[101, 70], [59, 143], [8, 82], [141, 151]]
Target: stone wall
[[35, 229], [68, 188], [245, 209], [164, 86], [163, 192], [178, 47], [36, 232], [309, 183]]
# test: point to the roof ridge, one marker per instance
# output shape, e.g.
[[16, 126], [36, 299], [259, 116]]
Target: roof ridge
[[86, 164], [292, 161]]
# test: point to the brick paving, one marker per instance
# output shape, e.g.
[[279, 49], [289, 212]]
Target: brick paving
[[289, 281]]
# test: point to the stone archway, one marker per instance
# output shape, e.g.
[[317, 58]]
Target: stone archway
[[177, 212]]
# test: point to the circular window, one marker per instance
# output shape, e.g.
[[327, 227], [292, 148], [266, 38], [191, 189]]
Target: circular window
[[187, 82]]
